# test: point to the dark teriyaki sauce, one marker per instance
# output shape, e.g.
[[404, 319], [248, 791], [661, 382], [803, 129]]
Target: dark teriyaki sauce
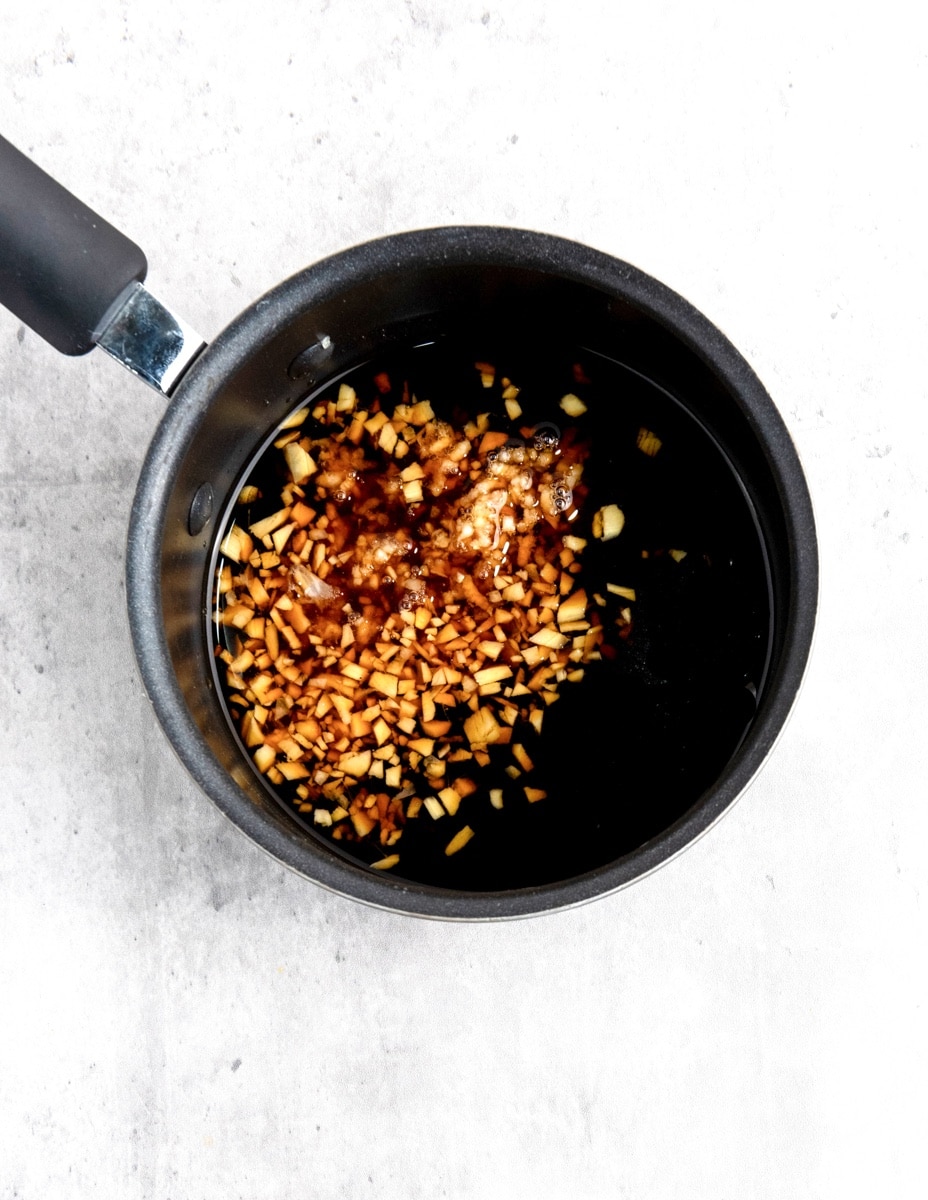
[[631, 748]]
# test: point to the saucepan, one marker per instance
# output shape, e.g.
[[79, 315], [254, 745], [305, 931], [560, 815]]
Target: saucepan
[[706, 631]]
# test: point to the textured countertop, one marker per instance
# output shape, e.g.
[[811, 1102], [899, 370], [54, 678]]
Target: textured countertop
[[183, 1019]]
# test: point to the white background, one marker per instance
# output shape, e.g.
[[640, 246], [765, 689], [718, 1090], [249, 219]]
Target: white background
[[182, 1018]]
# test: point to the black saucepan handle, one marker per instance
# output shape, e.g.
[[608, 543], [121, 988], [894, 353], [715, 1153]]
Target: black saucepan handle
[[61, 266]]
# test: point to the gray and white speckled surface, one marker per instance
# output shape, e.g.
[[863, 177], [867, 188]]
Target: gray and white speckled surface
[[182, 1018]]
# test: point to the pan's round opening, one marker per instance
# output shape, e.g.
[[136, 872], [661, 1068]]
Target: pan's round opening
[[617, 674]]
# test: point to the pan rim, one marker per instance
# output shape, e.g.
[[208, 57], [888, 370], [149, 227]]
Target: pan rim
[[255, 327]]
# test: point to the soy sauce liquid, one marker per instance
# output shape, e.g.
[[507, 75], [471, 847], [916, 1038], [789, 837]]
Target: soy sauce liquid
[[629, 749]]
